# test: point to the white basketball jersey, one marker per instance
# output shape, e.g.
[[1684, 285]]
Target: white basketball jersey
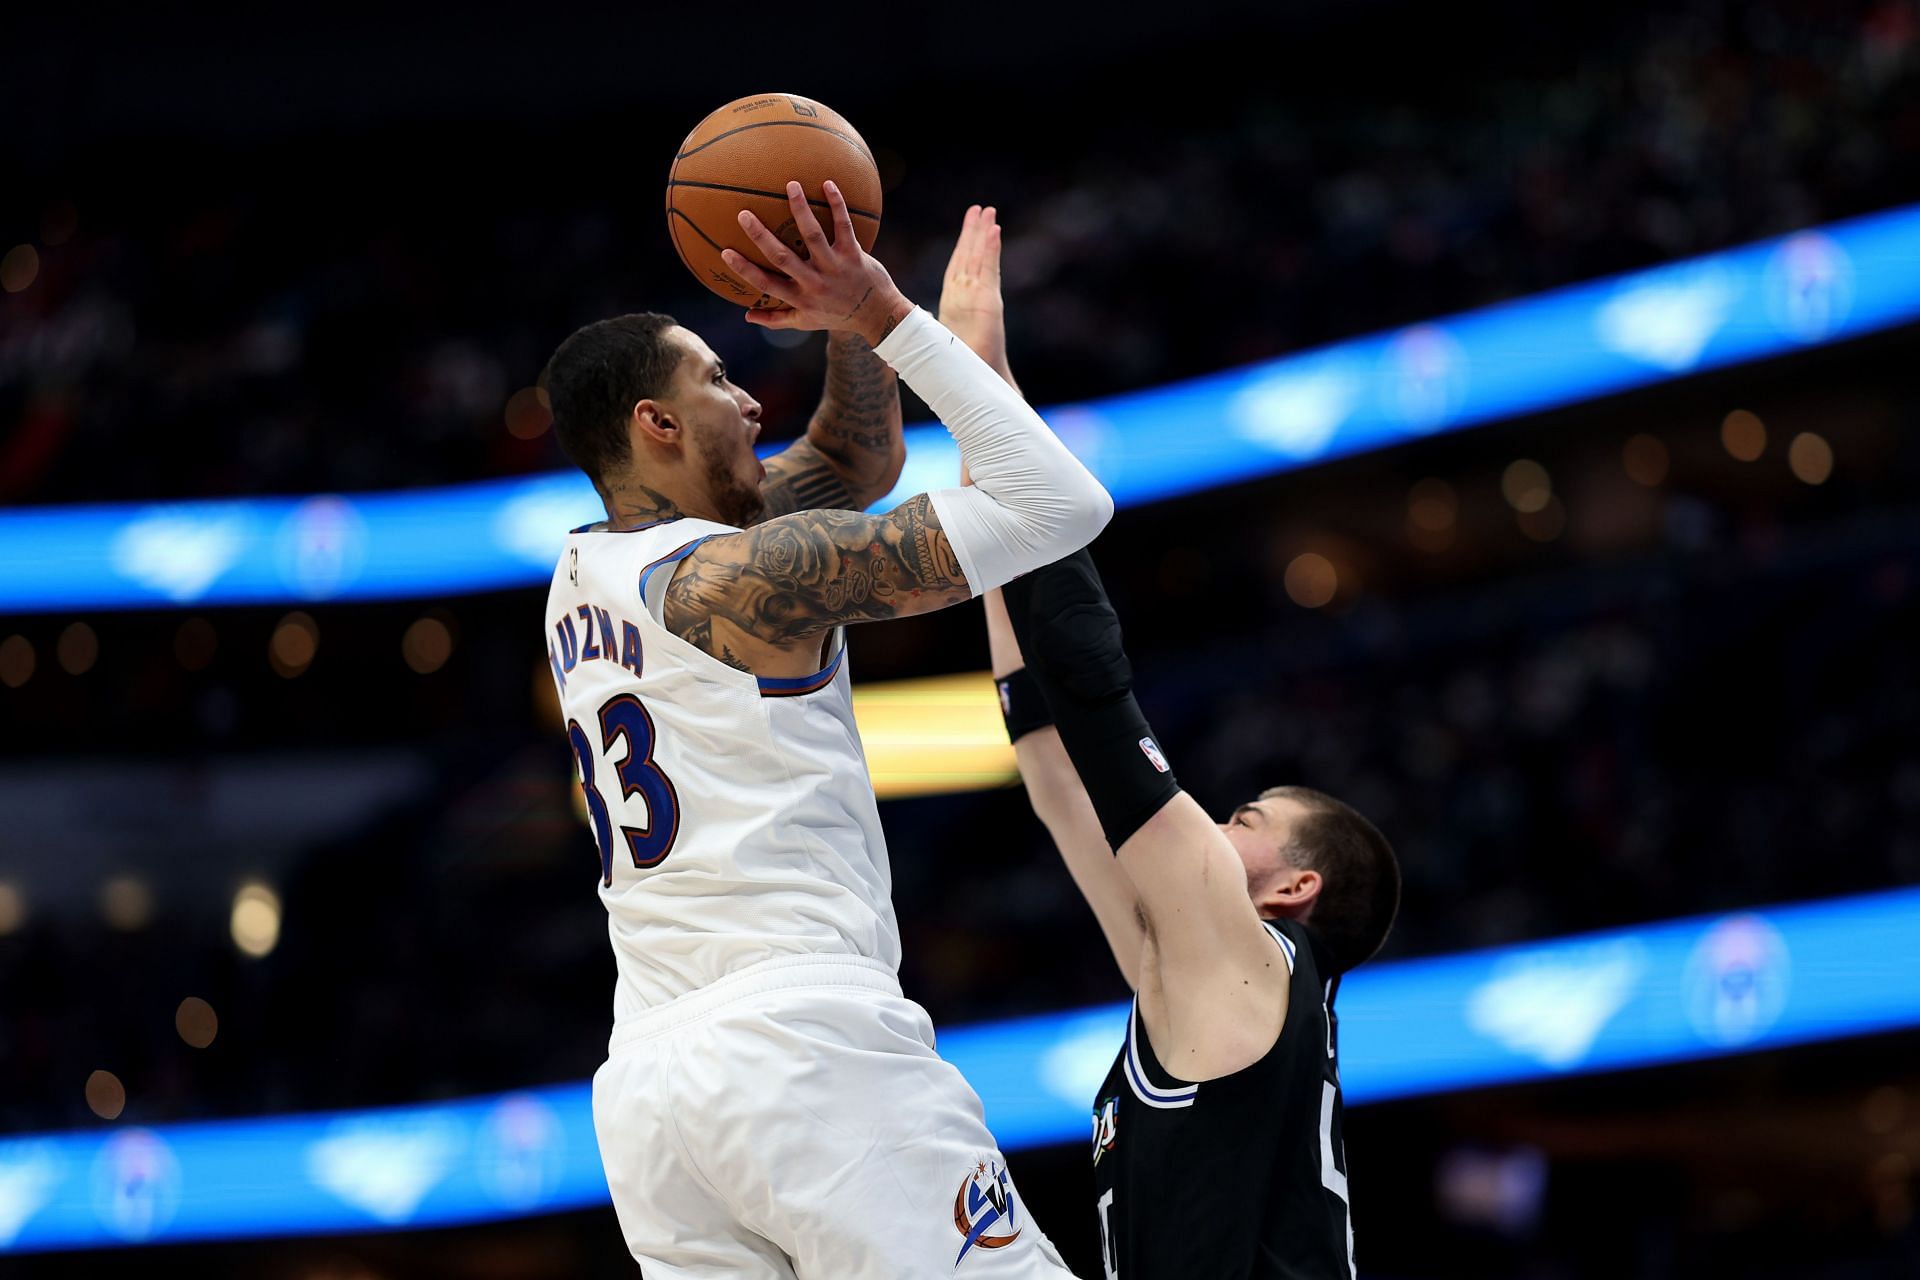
[[735, 817]]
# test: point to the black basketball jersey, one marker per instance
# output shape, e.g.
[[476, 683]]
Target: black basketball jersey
[[1243, 1176]]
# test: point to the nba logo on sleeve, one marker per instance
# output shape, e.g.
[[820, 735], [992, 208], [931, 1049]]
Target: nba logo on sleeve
[[1151, 751]]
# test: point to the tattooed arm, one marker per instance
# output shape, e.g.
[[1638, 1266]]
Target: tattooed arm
[[753, 598], [852, 452], [763, 597]]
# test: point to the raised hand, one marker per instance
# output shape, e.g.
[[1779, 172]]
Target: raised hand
[[970, 302], [837, 285]]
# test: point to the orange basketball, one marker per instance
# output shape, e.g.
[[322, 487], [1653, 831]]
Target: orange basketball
[[742, 157]]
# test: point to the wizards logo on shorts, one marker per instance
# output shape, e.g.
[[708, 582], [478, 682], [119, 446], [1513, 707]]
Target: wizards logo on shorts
[[983, 1211]]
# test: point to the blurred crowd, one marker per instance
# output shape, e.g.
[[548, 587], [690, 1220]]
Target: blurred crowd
[[360, 312]]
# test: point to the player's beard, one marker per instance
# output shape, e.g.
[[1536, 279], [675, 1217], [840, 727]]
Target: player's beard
[[738, 504]]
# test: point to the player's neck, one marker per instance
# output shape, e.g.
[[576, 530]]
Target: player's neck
[[630, 504]]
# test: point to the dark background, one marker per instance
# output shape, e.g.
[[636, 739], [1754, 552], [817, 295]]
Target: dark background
[[284, 253]]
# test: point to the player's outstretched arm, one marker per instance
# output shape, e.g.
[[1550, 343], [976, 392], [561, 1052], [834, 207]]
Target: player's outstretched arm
[[771, 588], [852, 452], [970, 301], [1061, 804], [972, 307], [1225, 981], [785, 580]]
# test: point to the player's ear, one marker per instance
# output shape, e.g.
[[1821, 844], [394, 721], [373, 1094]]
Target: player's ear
[[1296, 891], [654, 421]]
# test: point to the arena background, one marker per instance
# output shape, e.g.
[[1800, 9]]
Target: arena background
[[1665, 670]]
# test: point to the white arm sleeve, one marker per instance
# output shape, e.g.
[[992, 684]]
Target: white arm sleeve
[[1031, 501]]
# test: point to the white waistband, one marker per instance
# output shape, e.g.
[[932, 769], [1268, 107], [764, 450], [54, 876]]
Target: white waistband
[[779, 973]]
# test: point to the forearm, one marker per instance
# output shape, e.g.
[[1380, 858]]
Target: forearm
[[1031, 501], [986, 334], [1061, 804], [1002, 649], [856, 428]]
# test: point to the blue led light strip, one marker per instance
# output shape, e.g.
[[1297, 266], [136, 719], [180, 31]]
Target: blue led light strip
[[1572, 344], [1668, 992]]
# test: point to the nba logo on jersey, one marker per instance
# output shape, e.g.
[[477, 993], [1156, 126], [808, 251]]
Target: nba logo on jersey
[[983, 1211], [1151, 751]]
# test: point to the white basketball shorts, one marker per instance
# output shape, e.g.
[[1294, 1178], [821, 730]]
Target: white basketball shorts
[[793, 1120]]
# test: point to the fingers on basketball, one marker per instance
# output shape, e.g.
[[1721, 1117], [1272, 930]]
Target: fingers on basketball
[[805, 222], [783, 259], [843, 237], [743, 155], [754, 274]]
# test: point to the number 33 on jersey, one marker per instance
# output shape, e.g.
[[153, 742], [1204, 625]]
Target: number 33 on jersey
[[733, 815]]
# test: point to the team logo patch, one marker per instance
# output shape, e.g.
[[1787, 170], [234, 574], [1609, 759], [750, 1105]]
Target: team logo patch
[[1106, 1127], [983, 1210], [1151, 751]]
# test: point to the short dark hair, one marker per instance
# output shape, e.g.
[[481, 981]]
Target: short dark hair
[[1360, 877], [596, 377]]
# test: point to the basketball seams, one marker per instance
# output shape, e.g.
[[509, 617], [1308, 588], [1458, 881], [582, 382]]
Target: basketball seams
[[673, 213], [768, 124], [709, 184], [674, 229], [771, 195]]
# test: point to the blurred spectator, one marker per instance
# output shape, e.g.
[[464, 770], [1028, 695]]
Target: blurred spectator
[[211, 324]]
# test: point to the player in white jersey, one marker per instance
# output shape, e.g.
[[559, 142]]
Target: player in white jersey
[[771, 1104]]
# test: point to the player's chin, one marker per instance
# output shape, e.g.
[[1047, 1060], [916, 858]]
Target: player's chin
[[752, 499]]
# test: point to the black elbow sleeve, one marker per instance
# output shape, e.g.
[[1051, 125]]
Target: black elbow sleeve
[[1070, 635]]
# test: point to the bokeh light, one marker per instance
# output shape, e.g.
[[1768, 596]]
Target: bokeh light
[[196, 1022], [255, 922], [16, 661], [529, 414], [78, 649], [106, 1096], [126, 903], [1810, 458], [1311, 580], [296, 638], [1743, 435], [1526, 485], [1645, 458], [13, 908], [19, 268], [1433, 508], [427, 645]]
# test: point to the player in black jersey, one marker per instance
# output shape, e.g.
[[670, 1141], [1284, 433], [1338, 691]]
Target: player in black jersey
[[1217, 1147], [1217, 1136]]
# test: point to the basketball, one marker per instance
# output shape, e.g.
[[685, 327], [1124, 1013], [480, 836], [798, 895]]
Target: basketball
[[742, 157]]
